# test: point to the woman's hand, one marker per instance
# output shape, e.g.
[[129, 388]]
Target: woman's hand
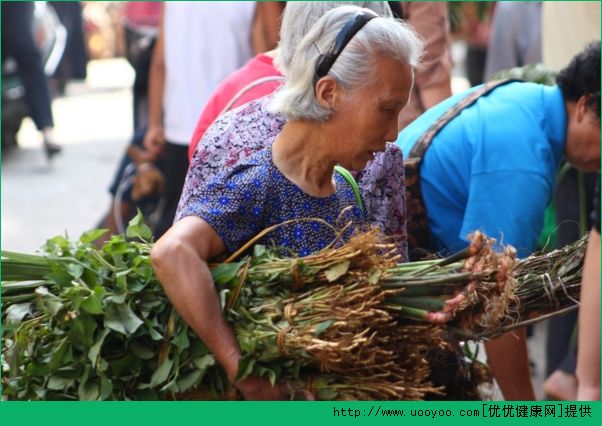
[[260, 389]]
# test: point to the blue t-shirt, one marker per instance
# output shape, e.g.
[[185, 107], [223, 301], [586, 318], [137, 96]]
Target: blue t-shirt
[[253, 195], [493, 167]]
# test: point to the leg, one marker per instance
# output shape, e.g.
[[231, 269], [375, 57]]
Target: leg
[[17, 39], [509, 362]]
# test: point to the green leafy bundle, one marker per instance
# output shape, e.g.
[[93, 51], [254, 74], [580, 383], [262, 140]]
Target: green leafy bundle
[[84, 323]]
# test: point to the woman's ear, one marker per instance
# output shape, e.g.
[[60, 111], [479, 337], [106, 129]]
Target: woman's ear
[[581, 108], [327, 92]]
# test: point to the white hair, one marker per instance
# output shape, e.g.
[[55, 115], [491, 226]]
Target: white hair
[[353, 69], [300, 16]]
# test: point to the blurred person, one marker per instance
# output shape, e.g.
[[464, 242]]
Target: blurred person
[[141, 22], [581, 24], [432, 83], [266, 25], [75, 58], [199, 44], [18, 42], [588, 360], [474, 29], [255, 79], [341, 107], [573, 198], [515, 37], [487, 158]]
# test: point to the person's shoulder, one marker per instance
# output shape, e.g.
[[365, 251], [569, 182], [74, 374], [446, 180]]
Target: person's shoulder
[[255, 170]]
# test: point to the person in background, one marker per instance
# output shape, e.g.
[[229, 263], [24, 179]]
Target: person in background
[[255, 79], [341, 107], [493, 167], [199, 44], [581, 24], [266, 25], [515, 37], [432, 83], [588, 359], [474, 27], [18, 42], [141, 22], [75, 58]]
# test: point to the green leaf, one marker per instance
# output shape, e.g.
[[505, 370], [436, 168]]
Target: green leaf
[[16, 313], [47, 301], [93, 303], [226, 272], [122, 319], [336, 271], [89, 391], [56, 245], [75, 270], [141, 351], [258, 250], [189, 380], [181, 340], [81, 331], [58, 354], [374, 276], [92, 235], [106, 387], [59, 383], [326, 394], [322, 327], [162, 373], [95, 348], [118, 298], [245, 367], [138, 229], [204, 362]]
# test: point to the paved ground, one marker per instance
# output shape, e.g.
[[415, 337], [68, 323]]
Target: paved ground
[[93, 122]]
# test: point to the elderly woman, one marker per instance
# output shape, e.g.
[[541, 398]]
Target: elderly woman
[[239, 133], [349, 78]]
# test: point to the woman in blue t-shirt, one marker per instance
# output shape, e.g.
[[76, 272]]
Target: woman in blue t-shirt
[[350, 77]]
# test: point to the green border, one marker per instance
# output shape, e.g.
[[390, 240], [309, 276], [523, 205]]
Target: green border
[[292, 413]]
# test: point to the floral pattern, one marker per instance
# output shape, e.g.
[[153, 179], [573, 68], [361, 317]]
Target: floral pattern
[[239, 133]]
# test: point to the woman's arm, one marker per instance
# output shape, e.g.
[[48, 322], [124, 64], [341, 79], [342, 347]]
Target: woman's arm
[[179, 259], [588, 356]]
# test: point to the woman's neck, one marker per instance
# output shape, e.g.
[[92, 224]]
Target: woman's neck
[[301, 153]]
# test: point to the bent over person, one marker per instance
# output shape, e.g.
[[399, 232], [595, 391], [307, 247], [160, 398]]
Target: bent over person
[[486, 159], [341, 107]]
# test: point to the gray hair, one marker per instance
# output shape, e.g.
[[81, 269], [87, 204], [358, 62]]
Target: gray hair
[[353, 68], [300, 16]]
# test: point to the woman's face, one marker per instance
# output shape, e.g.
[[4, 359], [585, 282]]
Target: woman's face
[[582, 147], [367, 118]]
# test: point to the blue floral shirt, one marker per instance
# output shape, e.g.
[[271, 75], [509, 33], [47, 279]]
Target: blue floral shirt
[[253, 195]]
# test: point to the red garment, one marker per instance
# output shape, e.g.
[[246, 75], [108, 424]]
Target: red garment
[[259, 67], [142, 13]]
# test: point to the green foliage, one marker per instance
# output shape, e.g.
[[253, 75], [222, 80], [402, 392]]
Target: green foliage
[[95, 325]]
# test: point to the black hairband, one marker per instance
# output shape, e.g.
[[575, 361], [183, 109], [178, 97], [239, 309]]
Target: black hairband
[[326, 60]]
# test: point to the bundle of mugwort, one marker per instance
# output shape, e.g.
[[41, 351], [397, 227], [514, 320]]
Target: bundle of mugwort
[[345, 323]]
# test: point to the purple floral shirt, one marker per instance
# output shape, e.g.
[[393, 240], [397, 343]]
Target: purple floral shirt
[[239, 133]]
